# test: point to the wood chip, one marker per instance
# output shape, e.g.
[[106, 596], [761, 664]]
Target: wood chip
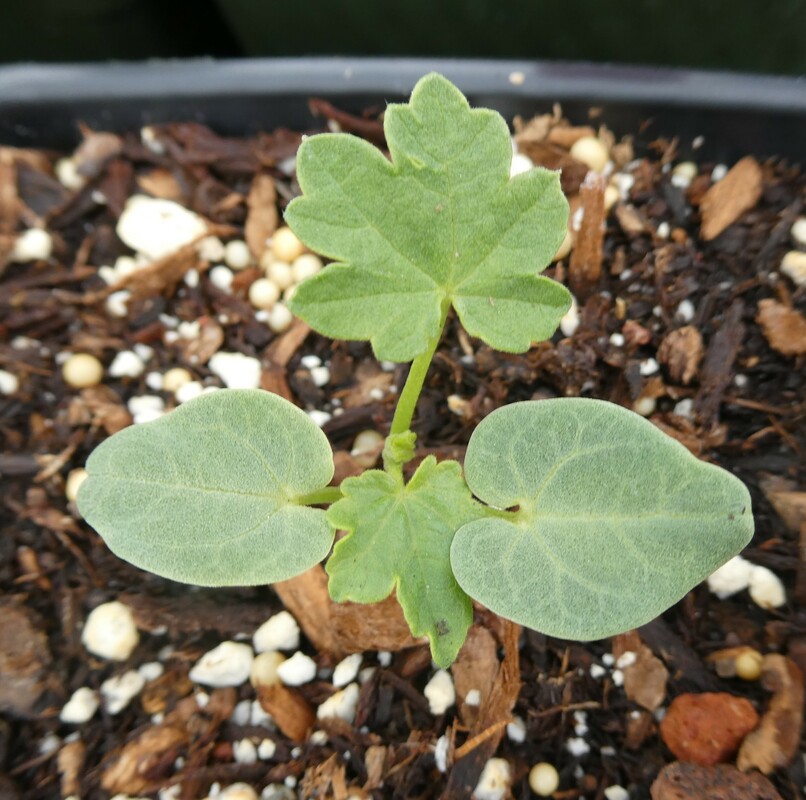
[[775, 742], [326, 780], [374, 626], [203, 347], [645, 679], [494, 715], [585, 265], [682, 351], [566, 135], [783, 327], [262, 219], [289, 709], [717, 369], [631, 220], [9, 201], [160, 276], [685, 781], [161, 183], [475, 667], [307, 598], [130, 768], [788, 500], [70, 763], [727, 200], [24, 661], [95, 151]]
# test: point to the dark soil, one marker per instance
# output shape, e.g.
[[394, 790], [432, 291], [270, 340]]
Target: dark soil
[[748, 415]]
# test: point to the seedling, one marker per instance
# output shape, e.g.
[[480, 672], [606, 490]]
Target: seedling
[[574, 517]]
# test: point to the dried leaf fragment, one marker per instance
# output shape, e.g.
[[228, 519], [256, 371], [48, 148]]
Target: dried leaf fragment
[[291, 712], [645, 678], [261, 222], [682, 351], [776, 740], [783, 327], [727, 200]]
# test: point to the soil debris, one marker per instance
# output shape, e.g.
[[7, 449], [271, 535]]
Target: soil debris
[[784, 327], [686, 781], [776, 741], [707, 728], [726, 201]]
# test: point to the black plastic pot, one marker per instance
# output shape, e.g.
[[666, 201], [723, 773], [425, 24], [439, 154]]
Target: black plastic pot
[[733, 114]]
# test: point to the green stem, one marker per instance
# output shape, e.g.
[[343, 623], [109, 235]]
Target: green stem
[[330, 494], [404, 412]]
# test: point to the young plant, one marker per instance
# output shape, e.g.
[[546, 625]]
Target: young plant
[[574, 517]]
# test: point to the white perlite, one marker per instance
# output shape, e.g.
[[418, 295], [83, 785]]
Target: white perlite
[[798, 231], [156, 227], [616, 792], [81, 707], [793, 265], [264, 669], [516, 730], [229, 664], [119, 690], [440, 692], [473, 698], [570, 322], [236, 370], [110, 632], [577, 747], [145, 408], [9, 383], [244, 751], [347, 669], [127, 364], [151, 670], [730, 578], [520, 163], [441, 753], [279, 632], [494, 781], [32, 245], [297, 670], [266, 749], [766, 589], [237, 791], [341, 705]]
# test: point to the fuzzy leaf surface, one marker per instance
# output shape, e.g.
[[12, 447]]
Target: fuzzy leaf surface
[[441, 223], [616, 520], [208, 493], [399, 537]]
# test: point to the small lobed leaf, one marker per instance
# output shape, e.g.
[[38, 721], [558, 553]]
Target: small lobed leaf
[[440, 224], [399, 537], [209, 494], [616, 521]]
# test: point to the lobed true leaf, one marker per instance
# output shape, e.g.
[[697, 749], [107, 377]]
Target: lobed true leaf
[[440, 224], [399, 537]]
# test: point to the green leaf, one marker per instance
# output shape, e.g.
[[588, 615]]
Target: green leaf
[[209, 494], [616, 520], [400, 537], [441, 223]]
